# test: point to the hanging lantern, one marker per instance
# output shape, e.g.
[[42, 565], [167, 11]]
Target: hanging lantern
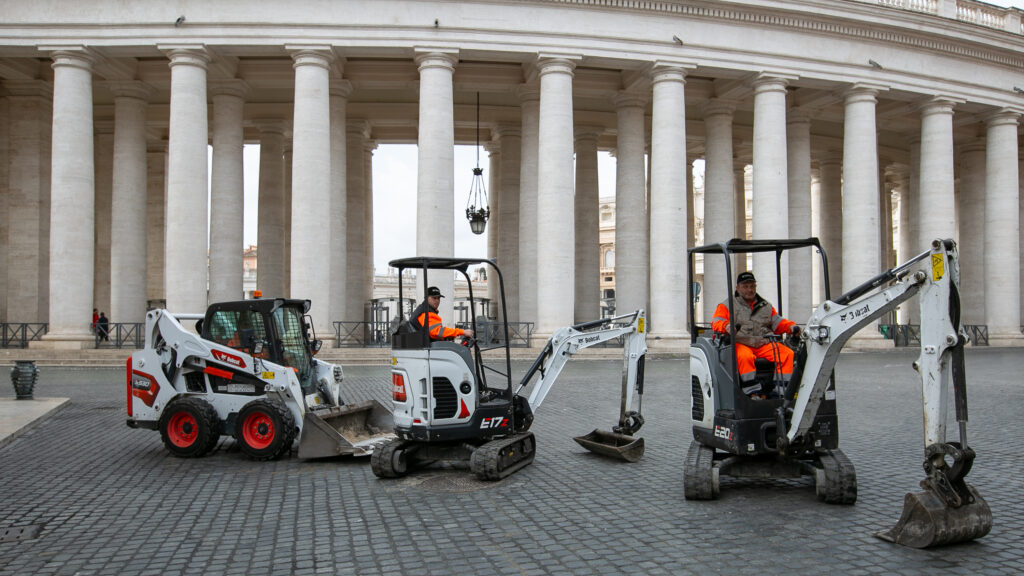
[[477, 211]]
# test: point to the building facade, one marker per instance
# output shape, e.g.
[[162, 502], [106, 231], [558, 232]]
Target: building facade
[[107, 110]]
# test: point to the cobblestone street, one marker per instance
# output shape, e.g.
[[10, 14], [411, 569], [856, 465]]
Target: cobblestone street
[[101, 498]]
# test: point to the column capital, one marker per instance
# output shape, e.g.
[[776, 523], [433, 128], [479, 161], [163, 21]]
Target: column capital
[[862, 91], [552, 63], [156, 146], [771, 82], [937, 105], [186, 54], [234, 87], [501, 131], [670, 71], [369, 145], [973, 145], [357, 127], [129, 89], [1003, 116], [528, 92], [719, 107], [76, 56], [433, 57], [629, 99], [103, 127], [302, 55], [341, 88], [586, 133], [492, 147], [797, 115], [271, 125]]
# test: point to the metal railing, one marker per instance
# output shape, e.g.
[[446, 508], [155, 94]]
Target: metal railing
[[121, 335], [491, 333], [904, 335], [19, 334], [362, 334]]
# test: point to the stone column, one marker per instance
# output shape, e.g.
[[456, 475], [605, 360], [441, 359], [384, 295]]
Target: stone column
[[740, 198], [187, 182], [311, 183], [128, 219], [671, 216], [435, 196], [914, 246], [340, 91], [903, 214], [831, 219], [720, 193], [816, 274], [493, 149], [971, 211], [529, 96], [798, 170], [1002, 248], [861, 226], [937, 207], [287, 214], [632, 257], [357, 132], [509, 225], [103, 205], [770, 211], [71, 208], [270, 278], [156, 194], [226, 191], [4, 193], [367, 286], [588, 245], [555, 267]]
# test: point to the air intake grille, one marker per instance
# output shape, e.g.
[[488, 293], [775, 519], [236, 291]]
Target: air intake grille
[[698, 401], [446, 401]]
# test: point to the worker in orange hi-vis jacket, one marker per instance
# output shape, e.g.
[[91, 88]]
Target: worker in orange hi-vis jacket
[[425, 316], [755, 319]]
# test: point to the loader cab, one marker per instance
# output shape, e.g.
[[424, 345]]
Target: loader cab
[[447, 390], [723, 415], [276, 330]]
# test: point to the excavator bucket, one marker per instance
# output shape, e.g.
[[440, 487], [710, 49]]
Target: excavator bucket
[[928, 521], [352, 429], [613, 445]]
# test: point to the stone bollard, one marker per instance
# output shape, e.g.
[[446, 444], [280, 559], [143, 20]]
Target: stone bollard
[[24, 376]]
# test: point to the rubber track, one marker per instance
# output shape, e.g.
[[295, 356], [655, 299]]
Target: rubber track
[[490, 461], [383, 458], [697, 472], [840, 478]]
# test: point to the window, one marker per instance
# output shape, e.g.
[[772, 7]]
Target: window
[[609, 259]]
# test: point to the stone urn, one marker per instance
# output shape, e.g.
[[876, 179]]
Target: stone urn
[[24, 376]]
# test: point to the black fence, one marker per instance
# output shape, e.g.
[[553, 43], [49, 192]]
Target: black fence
[[491, 333], [362, 334], [120, 335], [904, 335], [18, 335]]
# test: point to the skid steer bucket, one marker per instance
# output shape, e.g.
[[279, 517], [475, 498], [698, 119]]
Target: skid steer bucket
[[928, 521], [352, 429], [613, 445]]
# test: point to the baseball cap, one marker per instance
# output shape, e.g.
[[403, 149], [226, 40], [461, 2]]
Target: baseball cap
[[434, 291], [745, 277]]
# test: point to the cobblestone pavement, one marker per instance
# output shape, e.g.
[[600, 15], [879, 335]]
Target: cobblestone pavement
[[83, 494]]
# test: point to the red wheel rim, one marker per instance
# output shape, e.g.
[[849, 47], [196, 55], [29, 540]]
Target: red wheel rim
[[182, 430], [258, 430]]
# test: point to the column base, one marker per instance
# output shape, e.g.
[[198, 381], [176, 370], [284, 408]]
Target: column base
[[1004, 340], [869, 338], [64, 342], [668, 344]]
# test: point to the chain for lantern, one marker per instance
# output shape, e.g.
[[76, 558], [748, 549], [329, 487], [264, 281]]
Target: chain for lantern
[[477, 211]]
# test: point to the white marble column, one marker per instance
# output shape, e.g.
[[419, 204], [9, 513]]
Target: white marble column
[[226, 191], [831, 219], [357, 132], [311, 184], [4, 193], [103, 205], [719, 196], [770, 199], [340, 91], [529, 97], [632, 256], [509, 225], [971, 212], [555, 230], [435, 191], [367, 271], [816, 273], [156, 194], [798, 170], [937, 206], [493, 149], [71, 208], [287, 214], [187, 182], [128, 218], [861, 226], [1001, 230], [588, 245], [740, 198], [913, 310], [270, 231], [671, 215]]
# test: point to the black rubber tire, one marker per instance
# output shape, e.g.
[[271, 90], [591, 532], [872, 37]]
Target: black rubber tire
[[389, 460], [189, 427], [264, 429]]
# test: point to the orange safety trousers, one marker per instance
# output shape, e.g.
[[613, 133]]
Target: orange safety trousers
[[745, 356]]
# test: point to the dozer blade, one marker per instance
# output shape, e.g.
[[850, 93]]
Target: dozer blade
[[613, 445], [928, 521], [352, 429]]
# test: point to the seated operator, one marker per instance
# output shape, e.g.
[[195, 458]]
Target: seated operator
[[425, 316], [755, 320]]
